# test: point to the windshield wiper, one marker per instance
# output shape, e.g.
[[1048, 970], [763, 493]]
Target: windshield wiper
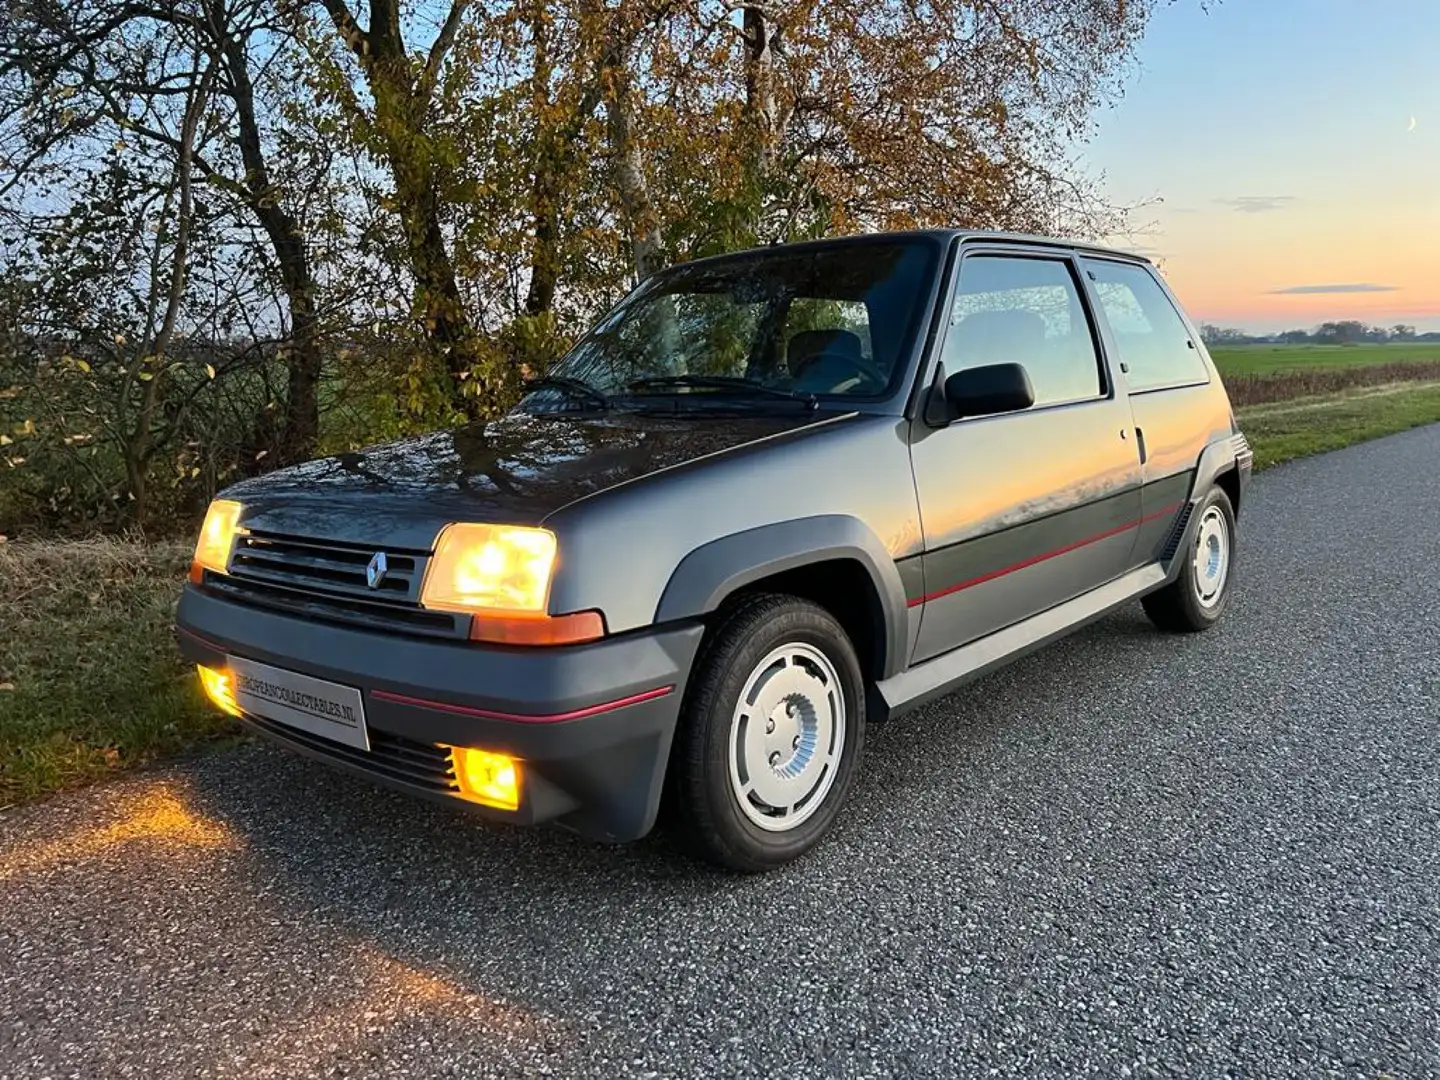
[[576, 387], [721, 382]]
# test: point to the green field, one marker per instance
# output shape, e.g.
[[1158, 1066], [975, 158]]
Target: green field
[[1277, 359]]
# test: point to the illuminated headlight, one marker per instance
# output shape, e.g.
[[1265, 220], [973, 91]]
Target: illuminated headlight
[[501, 568], [217, 538]]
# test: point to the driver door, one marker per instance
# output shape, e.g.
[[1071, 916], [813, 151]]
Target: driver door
[[1022, 511]]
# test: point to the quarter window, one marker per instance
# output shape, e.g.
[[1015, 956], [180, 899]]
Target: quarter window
[[1153, 343], [1028, 312]]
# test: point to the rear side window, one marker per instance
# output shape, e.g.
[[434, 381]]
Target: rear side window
[[1153, 342], [1024, 311]]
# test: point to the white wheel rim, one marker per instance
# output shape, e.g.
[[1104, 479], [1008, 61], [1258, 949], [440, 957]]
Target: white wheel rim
[[1212, 557], [786, 737]]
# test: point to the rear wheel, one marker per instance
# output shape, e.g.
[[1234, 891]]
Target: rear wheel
[[770, 735], [1198, 597]]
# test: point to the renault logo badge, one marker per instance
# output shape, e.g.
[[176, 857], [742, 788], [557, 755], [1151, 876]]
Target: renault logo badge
[[375, 572]]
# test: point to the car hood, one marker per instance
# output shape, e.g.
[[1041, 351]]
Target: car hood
[[517, 469]]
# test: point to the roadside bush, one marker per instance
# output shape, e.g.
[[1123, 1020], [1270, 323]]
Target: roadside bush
[[76, 456]]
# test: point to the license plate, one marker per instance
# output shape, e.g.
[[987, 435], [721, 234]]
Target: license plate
[[313, 705]]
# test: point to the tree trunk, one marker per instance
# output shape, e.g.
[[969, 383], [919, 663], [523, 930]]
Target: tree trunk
[[401, 105], [437, 299], [760, 110], [140, 444], [545, 244], [298, 438], [301, 433], [629, 163], [544, 188]]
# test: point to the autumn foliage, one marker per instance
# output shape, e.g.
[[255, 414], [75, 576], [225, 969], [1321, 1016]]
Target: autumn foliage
[[238, 232]]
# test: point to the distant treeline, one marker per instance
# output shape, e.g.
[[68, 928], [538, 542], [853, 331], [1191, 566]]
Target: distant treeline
[[1348, 332]]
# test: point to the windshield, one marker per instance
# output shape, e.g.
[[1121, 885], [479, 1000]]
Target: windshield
[[835, 320]]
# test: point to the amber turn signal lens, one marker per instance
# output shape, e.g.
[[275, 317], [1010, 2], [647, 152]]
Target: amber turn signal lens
[[574, 629], [218, 689], [487, 778]]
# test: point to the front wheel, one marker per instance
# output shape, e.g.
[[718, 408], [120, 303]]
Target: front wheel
[[770, 735], [1198, 597]]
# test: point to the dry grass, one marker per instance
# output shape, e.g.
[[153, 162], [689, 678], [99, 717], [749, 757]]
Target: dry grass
[[1246, 390], [90, 678]]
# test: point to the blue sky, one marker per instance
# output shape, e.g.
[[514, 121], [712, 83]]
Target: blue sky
[[1278, 135]]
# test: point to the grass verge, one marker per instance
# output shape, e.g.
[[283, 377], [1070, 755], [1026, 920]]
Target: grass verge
[[1286, 430], [91, 681], [90, 678]]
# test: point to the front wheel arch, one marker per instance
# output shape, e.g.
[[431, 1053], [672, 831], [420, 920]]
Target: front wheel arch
[[794, 557]]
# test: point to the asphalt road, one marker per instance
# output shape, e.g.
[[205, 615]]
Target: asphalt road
[[1128, 855]]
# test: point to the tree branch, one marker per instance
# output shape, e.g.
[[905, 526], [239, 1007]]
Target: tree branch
[[444, 41], [356, 40]]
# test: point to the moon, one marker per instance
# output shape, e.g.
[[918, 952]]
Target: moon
[[1412, 125]]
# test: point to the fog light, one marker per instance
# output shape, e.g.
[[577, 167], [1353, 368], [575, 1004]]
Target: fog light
[[487, 778], [217, 689]]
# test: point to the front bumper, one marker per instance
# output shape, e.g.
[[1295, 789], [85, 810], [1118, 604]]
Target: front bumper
[[591, 724]]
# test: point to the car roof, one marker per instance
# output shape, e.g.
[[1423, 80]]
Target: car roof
[[939, 235]]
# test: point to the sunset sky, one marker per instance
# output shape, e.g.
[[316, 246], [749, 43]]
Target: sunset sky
[[1296, 147]]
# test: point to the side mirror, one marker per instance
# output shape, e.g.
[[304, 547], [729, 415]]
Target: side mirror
[[984, 391]]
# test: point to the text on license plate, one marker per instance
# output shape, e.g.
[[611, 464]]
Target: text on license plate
[[316, 706]]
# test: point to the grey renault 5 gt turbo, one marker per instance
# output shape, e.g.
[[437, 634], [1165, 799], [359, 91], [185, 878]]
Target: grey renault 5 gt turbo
[[769, 498]]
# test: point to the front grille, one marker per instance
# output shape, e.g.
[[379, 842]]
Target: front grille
[[422, 765], [322, 566], [326, 580]]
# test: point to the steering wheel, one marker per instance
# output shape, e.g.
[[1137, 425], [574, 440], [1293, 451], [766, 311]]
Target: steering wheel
[[863, 371]]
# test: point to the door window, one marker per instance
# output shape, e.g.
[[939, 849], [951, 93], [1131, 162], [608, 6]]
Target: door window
[[1153, 343], [1010, 309]]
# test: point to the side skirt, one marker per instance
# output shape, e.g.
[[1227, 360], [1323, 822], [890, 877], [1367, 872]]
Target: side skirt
[[939, 676]]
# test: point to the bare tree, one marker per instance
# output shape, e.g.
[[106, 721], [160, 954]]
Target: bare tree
[[111, 69]]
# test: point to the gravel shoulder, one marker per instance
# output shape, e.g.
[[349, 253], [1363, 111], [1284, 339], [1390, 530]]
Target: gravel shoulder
[[1129, 854]]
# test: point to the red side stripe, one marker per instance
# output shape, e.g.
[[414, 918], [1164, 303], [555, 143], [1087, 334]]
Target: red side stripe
[[525, 718], [992, 575], [203, 641]]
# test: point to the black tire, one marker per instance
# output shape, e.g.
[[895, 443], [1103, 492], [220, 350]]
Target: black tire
[[703, 801], [1178, 608]]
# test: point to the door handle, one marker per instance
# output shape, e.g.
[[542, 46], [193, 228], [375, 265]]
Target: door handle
[[1140, 444]]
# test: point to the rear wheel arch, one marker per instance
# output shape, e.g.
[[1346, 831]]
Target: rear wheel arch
[[1218, 466], [834, 561], [1229, 482]]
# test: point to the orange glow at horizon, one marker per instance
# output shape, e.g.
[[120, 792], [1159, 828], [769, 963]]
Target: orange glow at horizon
[[1246, 273]]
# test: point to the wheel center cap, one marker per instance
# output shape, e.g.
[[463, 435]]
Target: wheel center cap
[[785, 729]]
